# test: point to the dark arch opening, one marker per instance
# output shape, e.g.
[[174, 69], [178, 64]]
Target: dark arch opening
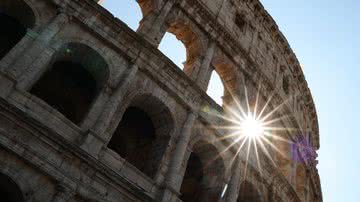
[[11, 33], [9, 190], [136, 133], [15, 18], [73, 81], [143, 134], [248, 193], [191, 185], [72, 89], [203, 179]]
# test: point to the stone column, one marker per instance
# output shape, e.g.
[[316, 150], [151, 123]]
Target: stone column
[[173, 180], [234, 184], [205, 70], [150, 25], [96, 108], [96, 138], [24, 68]]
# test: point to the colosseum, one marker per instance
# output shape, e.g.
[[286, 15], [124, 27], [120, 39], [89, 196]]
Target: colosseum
[[93, 111]]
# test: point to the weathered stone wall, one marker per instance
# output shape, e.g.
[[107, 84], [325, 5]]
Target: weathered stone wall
[[52, 159]]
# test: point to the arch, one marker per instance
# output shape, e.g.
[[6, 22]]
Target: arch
[[130, 13], [17, 17], [191, 39], [143, 133], [227, 72], [204, 174], [147, 6], [185, 33], [173, 49], [9, 190], [248, 193], [73, 80], [229, 76], [216, 88]]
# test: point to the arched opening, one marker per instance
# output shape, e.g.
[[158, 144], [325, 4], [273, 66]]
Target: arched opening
[[182, 46], [127, 11], [136, 133], [203, 179], [248, 193], [224, 79], [143, 133], [15, 18], [9, 190], [191, 184], [74, 78], [174, 49], [216, 88]]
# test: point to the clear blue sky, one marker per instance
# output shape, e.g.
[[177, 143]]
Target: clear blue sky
[[324, 35]]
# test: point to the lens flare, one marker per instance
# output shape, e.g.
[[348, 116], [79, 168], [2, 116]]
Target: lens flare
[[251, 127]]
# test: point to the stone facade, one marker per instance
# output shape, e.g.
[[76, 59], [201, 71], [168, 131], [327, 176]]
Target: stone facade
[[67, 144]]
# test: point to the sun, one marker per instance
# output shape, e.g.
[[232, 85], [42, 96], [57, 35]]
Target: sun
[[251, 127]]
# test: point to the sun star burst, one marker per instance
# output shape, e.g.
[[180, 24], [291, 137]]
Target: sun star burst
[[252, 130]]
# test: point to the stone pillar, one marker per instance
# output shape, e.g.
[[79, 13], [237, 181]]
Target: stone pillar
[[205, 70], [173, 180], [23, 69], [151, 24], [96, 108], [234, 184], [96, 138]]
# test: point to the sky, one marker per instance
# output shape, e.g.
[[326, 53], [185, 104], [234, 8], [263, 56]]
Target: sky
[[324, 36]]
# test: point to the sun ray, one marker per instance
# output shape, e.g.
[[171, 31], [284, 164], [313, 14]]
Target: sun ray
[[274, 110], [257, 100], [264, 107], [238, 107], [281, 118], [257, 156], [273, 146], [247, 100], [251, 126], [263, 147]]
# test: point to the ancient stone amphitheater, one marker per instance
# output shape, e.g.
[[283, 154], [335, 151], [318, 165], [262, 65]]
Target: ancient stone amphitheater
[[93, 111]]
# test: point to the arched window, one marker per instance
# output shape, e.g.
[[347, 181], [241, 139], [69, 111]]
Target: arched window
[[127, 11], [216, 88], [9, 190], [203, 179], [136, 133], [74, 78], [248, 193], [15, 18], [143, 134], [182, 46], [225, 83], [173, 49]]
